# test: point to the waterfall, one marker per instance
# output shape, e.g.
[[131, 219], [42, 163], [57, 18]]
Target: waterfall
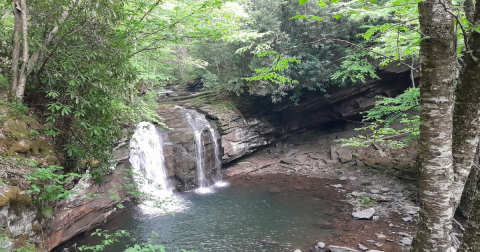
[[199, 123], [150, 175], [218, 161]]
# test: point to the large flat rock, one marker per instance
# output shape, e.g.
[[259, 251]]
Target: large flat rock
[[364, 214], [341, 249]]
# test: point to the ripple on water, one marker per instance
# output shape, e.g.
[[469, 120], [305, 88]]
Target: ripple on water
[[236, 218]]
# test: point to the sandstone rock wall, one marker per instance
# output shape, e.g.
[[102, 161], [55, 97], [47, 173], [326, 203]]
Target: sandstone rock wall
[[179, 149], [93, 205], [248, 124]]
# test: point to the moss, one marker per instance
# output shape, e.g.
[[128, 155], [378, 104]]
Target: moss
[[412, 170], [52, 161], [12, 192], [22, 200], [13, 182], [17, 138]]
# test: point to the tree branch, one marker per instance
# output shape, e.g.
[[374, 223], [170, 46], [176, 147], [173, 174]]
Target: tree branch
[[170, 26], [361, 47], [33, 60]]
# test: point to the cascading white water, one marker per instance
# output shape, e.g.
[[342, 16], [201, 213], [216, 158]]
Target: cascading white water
[[218, 161], [150, 175], [146, 157], [199, 123]]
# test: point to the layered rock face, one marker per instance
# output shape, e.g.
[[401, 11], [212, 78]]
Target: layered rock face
[[250, 123], [247, 123], [93, 205], [180, 149]]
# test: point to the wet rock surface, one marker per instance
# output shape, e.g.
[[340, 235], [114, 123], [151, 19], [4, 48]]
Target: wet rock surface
[[250, 123], [93, 204], [179, 149]]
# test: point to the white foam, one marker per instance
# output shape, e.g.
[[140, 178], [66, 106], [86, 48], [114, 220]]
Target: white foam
[[204, 190], [221, 184]]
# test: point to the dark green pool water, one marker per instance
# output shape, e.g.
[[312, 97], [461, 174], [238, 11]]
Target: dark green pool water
[[236, 218]]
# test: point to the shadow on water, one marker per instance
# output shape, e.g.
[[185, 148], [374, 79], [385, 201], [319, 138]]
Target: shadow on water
[[235, 218]]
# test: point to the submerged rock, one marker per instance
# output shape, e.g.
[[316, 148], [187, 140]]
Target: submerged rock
[[269, 243]]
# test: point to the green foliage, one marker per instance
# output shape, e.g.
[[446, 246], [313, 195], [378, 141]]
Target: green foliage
[[4, 240], [18, 109], [34, 133], [401, 109], [27, 247], [355, 68], [48, 184], [235, 63], [108, 239], [365, 201], [272, 74], [3, 83]]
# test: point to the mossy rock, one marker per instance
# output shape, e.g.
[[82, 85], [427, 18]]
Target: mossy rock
[[21, 136], [22, 200], [7, 197]]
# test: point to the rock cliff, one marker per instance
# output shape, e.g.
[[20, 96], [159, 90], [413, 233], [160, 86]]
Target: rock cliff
[[93, 205], [249, 123]]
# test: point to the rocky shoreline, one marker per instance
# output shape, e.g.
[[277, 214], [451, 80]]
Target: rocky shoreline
[[376, 210]]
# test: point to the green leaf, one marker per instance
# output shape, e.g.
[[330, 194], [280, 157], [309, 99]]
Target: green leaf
[[317, 18], [299, 16], [302, 1]]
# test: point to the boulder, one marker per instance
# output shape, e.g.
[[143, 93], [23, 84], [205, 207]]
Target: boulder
[[345, 155], [364, 214], [406, 241], [82, 212], [320, 245], [361, 247], [341, 249]]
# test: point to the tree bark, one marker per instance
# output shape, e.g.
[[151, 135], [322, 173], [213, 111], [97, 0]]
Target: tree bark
[[466, 121], [471, 236], [437, 77], [16, 45], [23, 71], [471, 184]]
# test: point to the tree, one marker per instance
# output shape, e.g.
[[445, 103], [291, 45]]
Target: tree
[[437, 78]]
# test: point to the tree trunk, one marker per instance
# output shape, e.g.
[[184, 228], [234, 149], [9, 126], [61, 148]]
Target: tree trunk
[[16, 44], [437, 77], [471, 184], [471, 75], [471, 236], [466, 121], [23, 72]]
